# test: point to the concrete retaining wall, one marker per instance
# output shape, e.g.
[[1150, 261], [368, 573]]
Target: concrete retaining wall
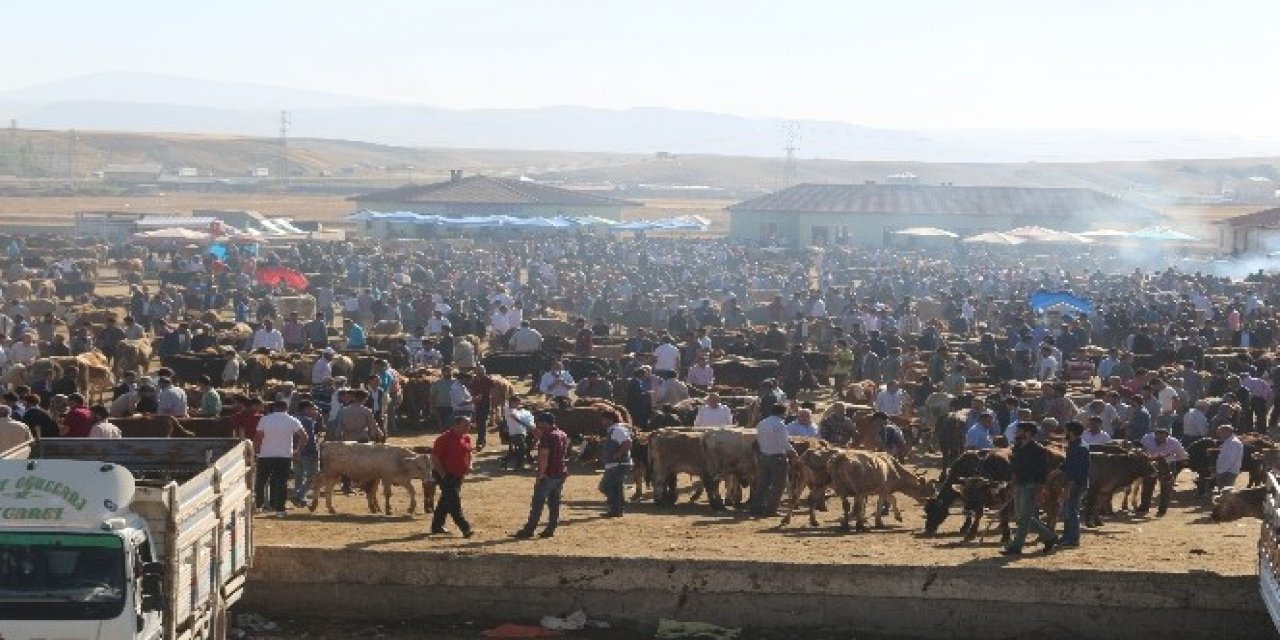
[[954, 602]]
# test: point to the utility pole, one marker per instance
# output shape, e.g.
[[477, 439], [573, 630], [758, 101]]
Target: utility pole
[[792, 130], [71, 157], [284, 147]]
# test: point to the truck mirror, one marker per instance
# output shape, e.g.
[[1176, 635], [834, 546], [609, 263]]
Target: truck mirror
[[152, 586]]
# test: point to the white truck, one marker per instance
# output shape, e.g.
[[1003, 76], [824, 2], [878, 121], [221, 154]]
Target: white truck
[[1269, 549], [145, 538]]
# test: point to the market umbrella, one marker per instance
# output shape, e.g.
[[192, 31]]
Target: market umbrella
[[271, 276], [994, 237], [1041, 234], [927, 232]]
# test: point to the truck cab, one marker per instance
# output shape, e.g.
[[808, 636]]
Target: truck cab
[[112, 539]]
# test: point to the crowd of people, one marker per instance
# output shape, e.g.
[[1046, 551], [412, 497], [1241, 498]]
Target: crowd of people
[[1157, 357]]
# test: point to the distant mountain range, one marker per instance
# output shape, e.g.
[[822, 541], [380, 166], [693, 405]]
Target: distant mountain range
[[149, 102]]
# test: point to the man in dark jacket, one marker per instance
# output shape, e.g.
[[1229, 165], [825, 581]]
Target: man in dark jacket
[[1030, 470], [1076, 470]]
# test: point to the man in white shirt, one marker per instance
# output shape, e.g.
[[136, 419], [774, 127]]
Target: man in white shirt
[[170, 400], [323, 368], [557, 382], [1047, 369], [279, 439], [771, 463], [1158, 445], [1230, 457], [526, 339], [701, 375], [891, 399], [1093, 433], [267, 337], [666, 357], [499, 323], [24, 351], [671, 391], [518, 423], [1195, 423], [713, 414], [12, 432], [102, 428]]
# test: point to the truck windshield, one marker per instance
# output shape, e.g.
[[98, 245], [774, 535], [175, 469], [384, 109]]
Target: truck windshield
[[59, 576]]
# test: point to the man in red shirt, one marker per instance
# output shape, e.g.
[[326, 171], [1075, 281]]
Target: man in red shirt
[[244, 423], [79, 420], [481, 388], [553, 469], [451, 457]]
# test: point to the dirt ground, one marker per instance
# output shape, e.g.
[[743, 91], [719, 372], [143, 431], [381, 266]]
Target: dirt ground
[[496, 503]]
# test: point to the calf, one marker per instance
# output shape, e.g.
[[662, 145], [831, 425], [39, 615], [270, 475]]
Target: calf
[[1109, 473], [811, 468], [864, 473], [673, 451], [729, 454], [369, 464], [1240, 503]]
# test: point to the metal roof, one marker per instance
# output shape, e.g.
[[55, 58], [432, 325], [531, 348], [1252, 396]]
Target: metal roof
[[953, 200], [495, 191], [176, 221]]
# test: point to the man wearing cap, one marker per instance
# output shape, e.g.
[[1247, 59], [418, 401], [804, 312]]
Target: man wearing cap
[[1030, 471], [1158, 445], [553, 469], [451, 457]]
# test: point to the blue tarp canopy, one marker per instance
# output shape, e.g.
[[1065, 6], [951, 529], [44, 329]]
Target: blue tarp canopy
[[557, 222], [1042, 300]]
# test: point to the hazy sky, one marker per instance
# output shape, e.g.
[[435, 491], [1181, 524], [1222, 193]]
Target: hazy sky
[[1194, 64]]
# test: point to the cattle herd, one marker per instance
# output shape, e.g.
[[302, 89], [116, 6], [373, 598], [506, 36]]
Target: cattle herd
[[934, 339]]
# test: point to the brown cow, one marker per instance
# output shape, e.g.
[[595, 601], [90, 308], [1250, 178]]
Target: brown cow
[[811, 468], [1109, 473], [865, 473], [132, 355], [150, 426], [366, 463], [1240, 503]]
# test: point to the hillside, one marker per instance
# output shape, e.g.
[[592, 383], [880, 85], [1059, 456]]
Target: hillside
[[346, 166], [141, 102]]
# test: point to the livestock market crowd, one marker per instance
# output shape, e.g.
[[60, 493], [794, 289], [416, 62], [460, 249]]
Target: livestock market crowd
[[766, 369]]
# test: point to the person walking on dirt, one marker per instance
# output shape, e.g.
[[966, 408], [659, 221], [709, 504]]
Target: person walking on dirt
[[1030, 470], [451, 458], [553, 469]]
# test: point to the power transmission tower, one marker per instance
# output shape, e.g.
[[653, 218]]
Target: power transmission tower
[[284, 147], [71, 157], [792, 130]]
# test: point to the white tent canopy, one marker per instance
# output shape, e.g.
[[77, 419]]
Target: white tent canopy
[[995, 237], [926, 232], [1041, 234]]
